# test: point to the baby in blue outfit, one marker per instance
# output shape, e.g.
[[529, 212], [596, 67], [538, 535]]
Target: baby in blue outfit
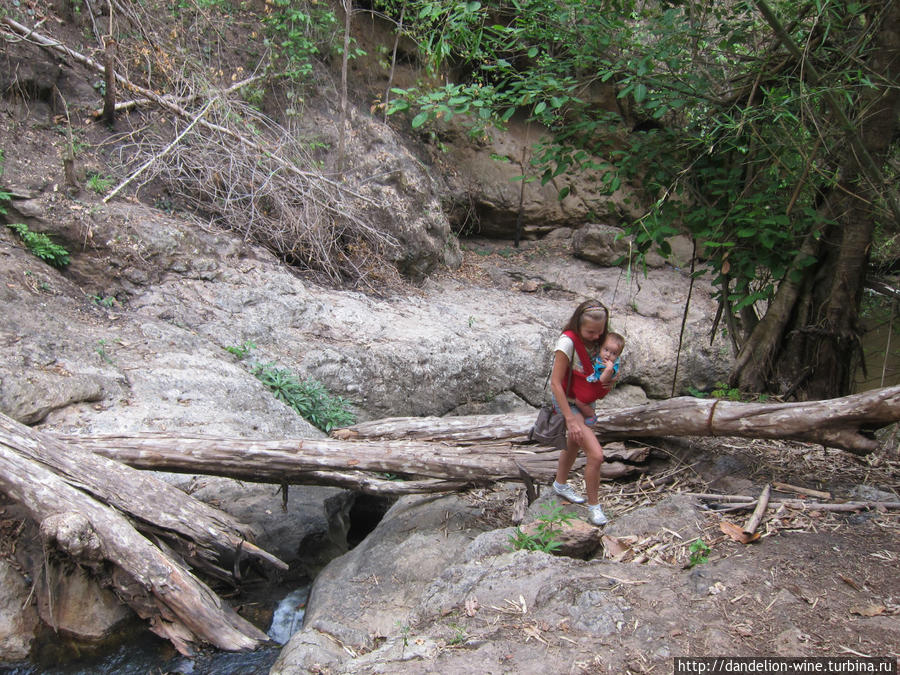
[[607, 357]]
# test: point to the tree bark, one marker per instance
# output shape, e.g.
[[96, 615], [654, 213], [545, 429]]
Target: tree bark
[[845, 423], [109, 96], [178, 606], [477, 458], [291, 460], [90, 507]]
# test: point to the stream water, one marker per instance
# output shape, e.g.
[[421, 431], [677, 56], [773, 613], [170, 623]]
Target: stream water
[[151, 655]]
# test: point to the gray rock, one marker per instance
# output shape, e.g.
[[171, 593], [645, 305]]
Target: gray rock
[[601, 244], [677, 513], [371, 591], [18, 619]]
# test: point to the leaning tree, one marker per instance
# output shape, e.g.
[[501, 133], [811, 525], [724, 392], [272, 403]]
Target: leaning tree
[[765, 130]]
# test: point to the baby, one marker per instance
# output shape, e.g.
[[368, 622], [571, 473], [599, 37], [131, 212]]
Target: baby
[[606, 369]]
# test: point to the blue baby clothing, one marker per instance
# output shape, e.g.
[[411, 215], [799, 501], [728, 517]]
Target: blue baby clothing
[[599, 366]]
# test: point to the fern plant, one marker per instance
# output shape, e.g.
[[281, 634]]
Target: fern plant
[[41, 245]]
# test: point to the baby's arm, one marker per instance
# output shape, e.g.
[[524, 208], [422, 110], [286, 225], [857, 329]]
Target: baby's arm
[[608, 375]]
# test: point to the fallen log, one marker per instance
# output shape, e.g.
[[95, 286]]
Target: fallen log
[[301, 461], [90, 508], [214, 534], [846, 423], [178, 606]]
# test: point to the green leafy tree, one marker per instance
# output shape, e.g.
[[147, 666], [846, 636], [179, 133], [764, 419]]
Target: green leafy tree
[[770, 156]]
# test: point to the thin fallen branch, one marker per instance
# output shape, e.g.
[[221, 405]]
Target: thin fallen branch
[[122, 106], [746, 501], [786, 487], [758, 512], [165, 150]]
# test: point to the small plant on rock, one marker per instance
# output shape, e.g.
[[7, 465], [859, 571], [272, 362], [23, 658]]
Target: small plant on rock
[[99, 183], [549, 528], [241, 350], [41, 245], [699, 553], [308, 397]]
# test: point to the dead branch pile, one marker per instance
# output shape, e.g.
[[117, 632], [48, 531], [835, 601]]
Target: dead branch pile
[[242, 171], [300, 214]]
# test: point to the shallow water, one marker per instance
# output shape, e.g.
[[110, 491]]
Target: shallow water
[[288, 616], [151, 655]]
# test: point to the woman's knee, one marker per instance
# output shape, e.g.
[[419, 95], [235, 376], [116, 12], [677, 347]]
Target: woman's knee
[[594, 454]]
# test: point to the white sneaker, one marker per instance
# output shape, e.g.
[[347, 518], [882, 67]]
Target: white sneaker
[[596, 515], [566, 491]]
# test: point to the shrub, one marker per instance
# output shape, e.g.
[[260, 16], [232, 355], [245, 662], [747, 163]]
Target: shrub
[[309, 398]]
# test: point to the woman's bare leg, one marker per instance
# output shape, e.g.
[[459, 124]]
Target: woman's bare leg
[[567, 459], [594, 453]]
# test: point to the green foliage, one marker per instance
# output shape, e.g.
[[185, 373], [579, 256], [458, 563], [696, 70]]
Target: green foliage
[[405, 629], [699, 553], [308, 397], [101, 350], [241, 350], [299, 33], [730, 149], [548, 530], [99, 183], [726, 392], [107, 301], [41, 245], [723, 391], [459, 635]]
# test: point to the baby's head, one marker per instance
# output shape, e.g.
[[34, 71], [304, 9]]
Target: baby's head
[[612, 346]]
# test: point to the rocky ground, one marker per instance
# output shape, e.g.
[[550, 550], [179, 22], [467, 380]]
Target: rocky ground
[[133, 336], [816, 583]]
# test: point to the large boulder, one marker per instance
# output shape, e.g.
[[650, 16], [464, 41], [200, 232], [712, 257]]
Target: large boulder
[[369, 594], [486, 196]]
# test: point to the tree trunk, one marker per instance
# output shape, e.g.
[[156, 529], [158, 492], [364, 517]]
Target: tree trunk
[[478, 457], [845, 423], [805, 343]]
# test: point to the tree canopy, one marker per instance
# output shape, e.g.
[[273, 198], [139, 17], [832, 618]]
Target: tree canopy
[[763, 130]]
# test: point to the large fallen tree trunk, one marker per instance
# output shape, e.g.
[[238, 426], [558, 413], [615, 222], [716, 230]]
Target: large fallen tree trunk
[[434, 467], [846, 423], [89, 507]]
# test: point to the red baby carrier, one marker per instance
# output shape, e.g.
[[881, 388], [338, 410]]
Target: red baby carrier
[[579, 387]]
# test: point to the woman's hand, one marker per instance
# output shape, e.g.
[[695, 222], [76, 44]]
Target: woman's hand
[[574, 429]]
